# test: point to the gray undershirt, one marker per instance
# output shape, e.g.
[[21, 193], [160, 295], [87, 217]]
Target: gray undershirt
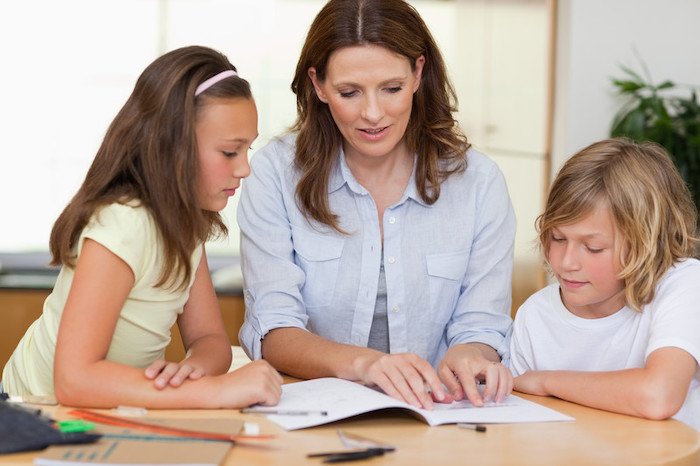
[[379, 333]]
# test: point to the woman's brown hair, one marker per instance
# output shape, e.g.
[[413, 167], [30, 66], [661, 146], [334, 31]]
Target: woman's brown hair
[[432, 132], [650, 204], [149, 155]]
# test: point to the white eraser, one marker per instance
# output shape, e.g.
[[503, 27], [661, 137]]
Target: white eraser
[[131, 411], [251, 428]]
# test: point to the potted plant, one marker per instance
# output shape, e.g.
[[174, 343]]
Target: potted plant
[[667, 114]]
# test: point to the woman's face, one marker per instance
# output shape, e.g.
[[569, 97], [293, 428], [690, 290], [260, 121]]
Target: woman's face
[[369, 91]]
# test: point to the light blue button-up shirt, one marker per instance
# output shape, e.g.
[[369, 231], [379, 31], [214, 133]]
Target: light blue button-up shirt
[[448, 265]]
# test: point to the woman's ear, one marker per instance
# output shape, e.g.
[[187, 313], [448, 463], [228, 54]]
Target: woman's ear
[[317, 85], [418, 72]]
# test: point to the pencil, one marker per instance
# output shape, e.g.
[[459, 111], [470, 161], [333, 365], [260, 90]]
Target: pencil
[[284, 412]]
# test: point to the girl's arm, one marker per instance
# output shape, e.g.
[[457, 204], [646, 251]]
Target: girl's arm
[[203, 334], [82, 375], [656, 391]]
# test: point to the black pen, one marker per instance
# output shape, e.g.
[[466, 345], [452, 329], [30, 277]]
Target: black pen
[[476, 427], [284, 412], [354, 455], [336, 453]]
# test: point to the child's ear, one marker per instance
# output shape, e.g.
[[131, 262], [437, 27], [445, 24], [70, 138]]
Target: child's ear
[[317, 85]]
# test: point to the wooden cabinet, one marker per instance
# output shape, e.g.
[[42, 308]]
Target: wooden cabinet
[[19, 308], [232, 310]]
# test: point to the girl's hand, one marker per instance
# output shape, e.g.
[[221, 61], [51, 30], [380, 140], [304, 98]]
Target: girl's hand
[[465, 364], [405, 376], [255, 383], [172, 373]]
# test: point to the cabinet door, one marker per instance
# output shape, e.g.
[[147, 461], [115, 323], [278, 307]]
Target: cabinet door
[[19, 309], [500, 71], [232, 310], [517, 76]]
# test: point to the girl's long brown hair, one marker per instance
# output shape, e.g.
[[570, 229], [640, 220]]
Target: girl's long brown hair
[[432, 132], [149, 155]]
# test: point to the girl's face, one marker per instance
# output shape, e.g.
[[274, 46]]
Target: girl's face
[[225, 130], [369, 91], [583, 257]]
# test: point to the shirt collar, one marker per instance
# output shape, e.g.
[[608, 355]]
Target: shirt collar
[[341, 175]]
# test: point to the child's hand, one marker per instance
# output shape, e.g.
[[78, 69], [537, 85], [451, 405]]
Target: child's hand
[[531, 382], [255, 383], [172, 373]]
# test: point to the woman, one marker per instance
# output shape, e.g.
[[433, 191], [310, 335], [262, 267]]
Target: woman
[[376, 244]]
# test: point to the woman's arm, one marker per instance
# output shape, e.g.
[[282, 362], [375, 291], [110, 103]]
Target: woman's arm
[[656, 391], [402, 376], [481, 317], [82, 375]]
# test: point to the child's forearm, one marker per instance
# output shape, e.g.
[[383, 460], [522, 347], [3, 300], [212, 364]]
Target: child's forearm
[[211, 354], [631, 391], [106, 384]]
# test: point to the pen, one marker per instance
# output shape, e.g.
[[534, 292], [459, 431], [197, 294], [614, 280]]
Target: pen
[[354, 455], [284, 412], [476, 427]]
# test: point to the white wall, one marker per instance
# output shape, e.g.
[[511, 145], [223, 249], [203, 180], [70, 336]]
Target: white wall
[[594, 38]]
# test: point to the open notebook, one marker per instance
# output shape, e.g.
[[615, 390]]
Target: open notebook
[[340, 399]]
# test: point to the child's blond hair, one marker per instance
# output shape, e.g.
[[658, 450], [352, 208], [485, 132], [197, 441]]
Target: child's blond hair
[[650, 204]]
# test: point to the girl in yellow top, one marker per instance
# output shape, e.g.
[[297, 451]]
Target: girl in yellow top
[[131, 246]]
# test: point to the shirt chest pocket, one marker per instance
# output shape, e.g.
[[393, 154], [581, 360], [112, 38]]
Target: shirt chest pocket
[[318, 256], [446, 273]]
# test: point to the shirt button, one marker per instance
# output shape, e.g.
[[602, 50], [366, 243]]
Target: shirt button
[[392, 220], [391, 260], [395, 309]]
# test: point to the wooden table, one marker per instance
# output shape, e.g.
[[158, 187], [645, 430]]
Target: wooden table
[[595, 438]]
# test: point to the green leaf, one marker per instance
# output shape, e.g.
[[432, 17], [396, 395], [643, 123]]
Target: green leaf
[[631, 125], [637, 77], [672, 121], [627, 86]]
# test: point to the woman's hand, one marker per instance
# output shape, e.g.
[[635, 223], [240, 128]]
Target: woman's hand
[[172, 373], [404, 376], [465, 364]]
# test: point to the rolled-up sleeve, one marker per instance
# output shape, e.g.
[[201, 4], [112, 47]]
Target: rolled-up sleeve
[[482, 313], [272, 279]]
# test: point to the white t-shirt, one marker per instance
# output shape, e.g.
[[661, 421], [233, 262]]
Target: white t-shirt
[[546, 336], [143, 328]]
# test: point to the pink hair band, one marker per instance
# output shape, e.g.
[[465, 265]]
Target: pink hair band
[[213, 80]]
